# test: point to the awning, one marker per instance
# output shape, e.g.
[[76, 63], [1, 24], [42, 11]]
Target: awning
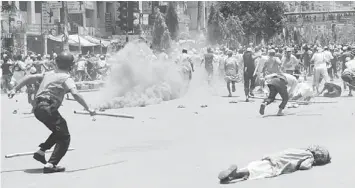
[[74, 40], [97, 41], [58, 38]]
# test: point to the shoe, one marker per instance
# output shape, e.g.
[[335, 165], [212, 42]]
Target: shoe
[[262, 109], [40, 158], [247, 100], [228, 175], [251, 94], [54, 169]]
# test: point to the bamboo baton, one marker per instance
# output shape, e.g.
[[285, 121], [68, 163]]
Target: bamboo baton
[[29, 153], [104, 114]]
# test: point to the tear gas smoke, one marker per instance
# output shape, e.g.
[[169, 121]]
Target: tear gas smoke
[[138, 78]]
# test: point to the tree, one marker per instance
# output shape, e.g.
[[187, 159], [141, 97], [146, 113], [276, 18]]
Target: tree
[[257, 16], [160, 31], [215, 28], [172, 20], [233, 30]]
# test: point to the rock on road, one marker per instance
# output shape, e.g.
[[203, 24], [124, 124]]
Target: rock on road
[[166, 146]]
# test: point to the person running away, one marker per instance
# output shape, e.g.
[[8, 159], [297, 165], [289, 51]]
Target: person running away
[[49, 97], [231, 72]]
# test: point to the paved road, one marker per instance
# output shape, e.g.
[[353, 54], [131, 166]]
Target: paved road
[[166, 146]]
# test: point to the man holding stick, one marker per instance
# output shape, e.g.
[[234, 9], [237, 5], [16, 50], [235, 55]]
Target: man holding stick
[[49, 97]]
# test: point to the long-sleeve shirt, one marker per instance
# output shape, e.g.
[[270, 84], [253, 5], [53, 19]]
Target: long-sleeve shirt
[[290, 160]]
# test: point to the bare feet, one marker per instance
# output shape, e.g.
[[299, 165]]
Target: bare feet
[[230, 95]]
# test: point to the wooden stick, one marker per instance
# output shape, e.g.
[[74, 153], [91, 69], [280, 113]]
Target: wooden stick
[[88, 90], [29, 153], [104, 114]]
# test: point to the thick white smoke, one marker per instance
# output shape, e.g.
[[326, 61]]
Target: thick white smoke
[[139, 79]]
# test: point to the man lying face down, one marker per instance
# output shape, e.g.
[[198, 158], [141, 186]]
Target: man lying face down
[[287, 161]]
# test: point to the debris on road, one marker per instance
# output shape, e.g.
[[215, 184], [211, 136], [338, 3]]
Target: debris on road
[[181, 106]]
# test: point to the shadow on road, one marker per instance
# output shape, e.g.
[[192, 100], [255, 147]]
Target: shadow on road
[[97, 166], [225, 96], [40, 170]]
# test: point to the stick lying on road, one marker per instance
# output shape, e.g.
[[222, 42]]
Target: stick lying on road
[[30, 153], [315, 102], [104, 114]]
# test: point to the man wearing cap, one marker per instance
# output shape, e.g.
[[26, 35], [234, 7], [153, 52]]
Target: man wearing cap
[[306, 58], [272, 65], [348, 76], [289, 62], [320, 68], [332, 71]]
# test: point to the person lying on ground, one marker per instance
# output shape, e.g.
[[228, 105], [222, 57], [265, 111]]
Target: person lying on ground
[[285, 162], [303, 91], [333, 90]]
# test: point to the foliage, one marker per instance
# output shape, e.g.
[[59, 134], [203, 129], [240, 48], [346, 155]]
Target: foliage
[[9, 8], [258, 17], [216, 26], [172, 20], [233, 29], [159, 32]]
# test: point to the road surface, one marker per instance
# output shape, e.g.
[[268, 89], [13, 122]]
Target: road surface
[[166, 146]]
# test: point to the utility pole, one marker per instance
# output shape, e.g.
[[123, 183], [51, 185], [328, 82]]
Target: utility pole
[[66, 34]]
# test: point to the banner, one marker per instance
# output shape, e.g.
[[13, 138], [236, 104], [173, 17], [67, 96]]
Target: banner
[[75, 7], [146, 7], [145, 20], [49, 15], [117, 11], [90, 5]]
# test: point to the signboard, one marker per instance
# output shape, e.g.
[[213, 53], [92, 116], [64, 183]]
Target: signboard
[[117, 11], [90, 5], [55, 4], [146, 7], [108, 22], [136, 21], [49, 15], [145, 20], [75, 7]]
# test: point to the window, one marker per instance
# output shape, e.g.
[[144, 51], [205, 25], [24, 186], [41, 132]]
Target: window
[[98, 6], [38, 6], [23, 6], [108, 7], [3, 3]]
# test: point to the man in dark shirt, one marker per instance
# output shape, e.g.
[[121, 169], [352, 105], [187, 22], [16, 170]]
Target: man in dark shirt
[[249, 78], [6, 68], [333, 90], [208, 60]]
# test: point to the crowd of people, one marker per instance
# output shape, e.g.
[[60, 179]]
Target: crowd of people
[[284, 70], [275, 70]]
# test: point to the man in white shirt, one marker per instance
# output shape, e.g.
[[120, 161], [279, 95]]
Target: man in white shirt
[[81, 67], [320, 68], [289, 62], [348, 76]]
